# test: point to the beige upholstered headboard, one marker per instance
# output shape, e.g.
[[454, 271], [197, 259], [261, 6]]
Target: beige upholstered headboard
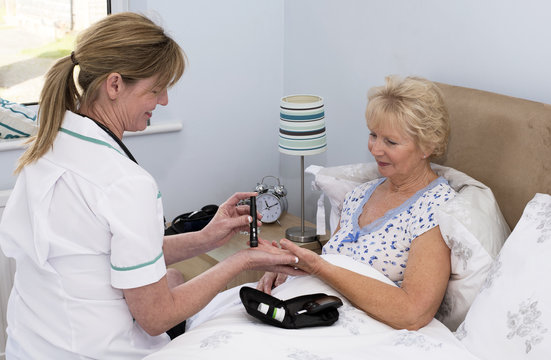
[[502, 141]]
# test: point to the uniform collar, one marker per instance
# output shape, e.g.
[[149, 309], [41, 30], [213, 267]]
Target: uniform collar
[[85, 129]]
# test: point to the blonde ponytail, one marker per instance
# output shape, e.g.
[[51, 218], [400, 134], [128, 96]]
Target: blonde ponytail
[[126, 43], [58, 95]]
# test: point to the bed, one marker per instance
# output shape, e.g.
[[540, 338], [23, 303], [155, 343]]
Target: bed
[[498, 303]]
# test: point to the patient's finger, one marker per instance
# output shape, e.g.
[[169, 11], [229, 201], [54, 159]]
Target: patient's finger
[[289, 245], [261, 241], [271, 248], [288, 270], [280, 279], [265, 283]]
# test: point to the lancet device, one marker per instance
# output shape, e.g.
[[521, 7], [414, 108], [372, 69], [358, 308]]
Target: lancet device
[[253, 231]]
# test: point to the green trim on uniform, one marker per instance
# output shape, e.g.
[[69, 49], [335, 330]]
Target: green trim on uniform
[[87, 138], [128, 268], [100, 142]]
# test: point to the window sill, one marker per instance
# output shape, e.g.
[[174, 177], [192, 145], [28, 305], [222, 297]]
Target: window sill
[[6, 145], [152, 129], [157, 129]]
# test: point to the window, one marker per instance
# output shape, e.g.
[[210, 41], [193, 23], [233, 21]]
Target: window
[[33, 35]]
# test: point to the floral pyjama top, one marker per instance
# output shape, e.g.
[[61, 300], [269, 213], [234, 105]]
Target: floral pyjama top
[[385, 243]]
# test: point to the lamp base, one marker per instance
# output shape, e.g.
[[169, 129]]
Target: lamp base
[[295, 234]]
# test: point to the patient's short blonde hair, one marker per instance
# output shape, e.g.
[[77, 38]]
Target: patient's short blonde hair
[[415, 106]]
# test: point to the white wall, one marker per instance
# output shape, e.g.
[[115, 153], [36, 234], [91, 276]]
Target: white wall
[[227, 100], [7, 165], [245, 54], [339, 49]]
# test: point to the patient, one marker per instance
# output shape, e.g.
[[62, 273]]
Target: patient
[[389, 222]]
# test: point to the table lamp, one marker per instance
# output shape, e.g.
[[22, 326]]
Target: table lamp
[[302, 132]]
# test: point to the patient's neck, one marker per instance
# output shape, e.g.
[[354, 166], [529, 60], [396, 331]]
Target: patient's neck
[[411, 183]]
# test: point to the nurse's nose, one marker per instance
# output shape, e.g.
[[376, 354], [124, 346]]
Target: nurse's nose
[[162, 98]]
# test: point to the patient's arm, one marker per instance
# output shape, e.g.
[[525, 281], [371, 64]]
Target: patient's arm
[[410, 307]]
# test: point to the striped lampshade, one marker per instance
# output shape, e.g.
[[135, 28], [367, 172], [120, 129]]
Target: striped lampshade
[[302, 125]]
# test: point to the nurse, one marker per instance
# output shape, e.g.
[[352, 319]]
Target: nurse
[[85, 221]]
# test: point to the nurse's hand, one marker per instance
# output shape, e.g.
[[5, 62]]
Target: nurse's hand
[[269, 258], [228, 220]]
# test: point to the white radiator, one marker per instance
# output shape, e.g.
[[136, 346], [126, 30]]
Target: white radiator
[[7, 269]]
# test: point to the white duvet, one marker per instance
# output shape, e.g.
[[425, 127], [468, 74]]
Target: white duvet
[[224, 330]]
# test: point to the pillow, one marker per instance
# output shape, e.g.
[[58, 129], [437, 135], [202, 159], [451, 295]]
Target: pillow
[[474, 229], [16, 120], [472, 226], [511, 316], [470, 264], [476, 208], [335, 182]]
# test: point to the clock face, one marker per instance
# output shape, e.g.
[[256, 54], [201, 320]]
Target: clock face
[[269, 206]]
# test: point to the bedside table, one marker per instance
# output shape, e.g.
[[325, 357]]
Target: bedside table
[[271, 232]]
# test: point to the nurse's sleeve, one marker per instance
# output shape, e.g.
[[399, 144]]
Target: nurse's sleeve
[[133, 209]]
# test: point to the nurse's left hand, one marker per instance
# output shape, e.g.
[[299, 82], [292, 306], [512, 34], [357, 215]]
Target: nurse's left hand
[[229, 219]]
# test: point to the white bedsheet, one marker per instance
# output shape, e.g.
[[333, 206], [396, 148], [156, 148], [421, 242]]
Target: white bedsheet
[[224, 330]]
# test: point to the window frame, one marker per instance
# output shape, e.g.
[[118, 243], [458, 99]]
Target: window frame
[[108, 7], [155, 128]]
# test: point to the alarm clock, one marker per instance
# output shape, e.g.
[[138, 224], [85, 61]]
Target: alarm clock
[[271, 201]]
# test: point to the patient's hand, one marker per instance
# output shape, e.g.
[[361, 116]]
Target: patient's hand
[[270, 280], [266, 257]]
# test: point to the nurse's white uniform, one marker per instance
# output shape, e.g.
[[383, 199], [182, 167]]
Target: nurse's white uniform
[[83, 222]]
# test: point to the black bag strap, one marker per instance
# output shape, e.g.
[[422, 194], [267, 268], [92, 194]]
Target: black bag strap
[[192, 221]]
